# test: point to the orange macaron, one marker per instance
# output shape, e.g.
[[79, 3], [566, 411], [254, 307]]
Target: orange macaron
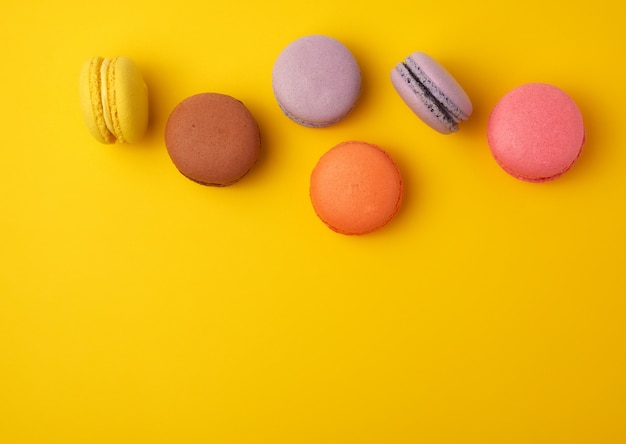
[[356, 188]]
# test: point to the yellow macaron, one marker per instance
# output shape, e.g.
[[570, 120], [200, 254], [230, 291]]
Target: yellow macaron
[[114, 99]]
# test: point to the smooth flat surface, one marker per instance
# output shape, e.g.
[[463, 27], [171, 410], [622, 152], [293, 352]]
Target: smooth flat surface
[[139, 307]]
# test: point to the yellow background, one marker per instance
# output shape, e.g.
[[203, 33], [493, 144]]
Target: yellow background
[[139, 307]]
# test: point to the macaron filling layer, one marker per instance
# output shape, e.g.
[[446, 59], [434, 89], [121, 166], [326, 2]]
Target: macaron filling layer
[[104, 95]]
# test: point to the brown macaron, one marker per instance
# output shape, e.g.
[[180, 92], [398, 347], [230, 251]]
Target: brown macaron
[[212, 139]]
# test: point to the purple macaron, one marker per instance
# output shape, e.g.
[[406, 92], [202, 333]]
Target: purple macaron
[[316, 81], [431, 92]]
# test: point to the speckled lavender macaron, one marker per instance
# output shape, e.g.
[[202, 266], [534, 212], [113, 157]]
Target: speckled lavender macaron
[[316, 81], [431, 92]]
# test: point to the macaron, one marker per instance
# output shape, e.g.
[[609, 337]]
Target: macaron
[[431, 92], [316, 81], [113, 99], [356, 188], [536, 132], [212, 139]]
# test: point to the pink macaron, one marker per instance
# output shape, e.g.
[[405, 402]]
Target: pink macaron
[[316, 81], [536, 132]]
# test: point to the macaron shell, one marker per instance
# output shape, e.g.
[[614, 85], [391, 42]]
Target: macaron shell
[[128, 100], [316, 80], [212, 139], [356, 188], [536, 132], [90, 100], [421, 105], [448, 88]]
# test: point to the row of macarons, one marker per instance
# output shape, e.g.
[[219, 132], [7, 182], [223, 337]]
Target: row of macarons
[[535, 132]]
